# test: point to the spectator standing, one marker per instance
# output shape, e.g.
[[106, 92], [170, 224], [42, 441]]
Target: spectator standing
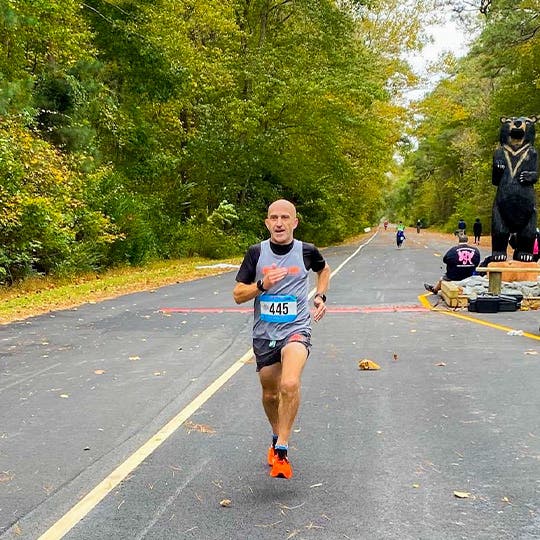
[[477, 230], [462, 227]]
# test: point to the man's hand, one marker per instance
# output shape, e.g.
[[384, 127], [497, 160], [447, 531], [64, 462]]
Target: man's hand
[[274, 275], [320, 309], [243, 292]]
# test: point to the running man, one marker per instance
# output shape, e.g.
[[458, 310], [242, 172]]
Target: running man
[[274, 273], [400, 234]]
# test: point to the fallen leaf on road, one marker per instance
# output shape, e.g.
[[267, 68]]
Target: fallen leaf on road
[[530, 352], [368, 364], [225, 502], [5, 476], [191, 426], [395, 356], [416, 485], [134, 357], [99, 371], [285, 507], [462, 494], [64, 395], [266, 526], [441, 364], [505, 499]]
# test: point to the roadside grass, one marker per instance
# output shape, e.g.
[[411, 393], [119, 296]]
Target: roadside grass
[[38, 295]]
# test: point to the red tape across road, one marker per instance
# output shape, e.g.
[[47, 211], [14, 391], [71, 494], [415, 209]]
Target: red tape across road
[[347, 309]]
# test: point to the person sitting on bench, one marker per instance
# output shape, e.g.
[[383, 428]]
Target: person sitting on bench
[[460, 260]]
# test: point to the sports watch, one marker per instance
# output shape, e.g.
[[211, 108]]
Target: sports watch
[[260, 286], [321, 296]]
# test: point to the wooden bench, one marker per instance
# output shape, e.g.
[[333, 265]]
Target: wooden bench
[[509, 270], [495, 274]]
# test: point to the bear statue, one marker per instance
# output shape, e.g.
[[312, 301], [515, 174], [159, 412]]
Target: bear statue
[[514, 173]]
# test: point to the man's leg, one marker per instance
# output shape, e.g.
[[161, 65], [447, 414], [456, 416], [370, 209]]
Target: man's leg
[[293, 360], [433, 288], [270, 377]]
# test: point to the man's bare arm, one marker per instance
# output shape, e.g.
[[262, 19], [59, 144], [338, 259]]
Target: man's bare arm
[[323, 280], [243, 292]]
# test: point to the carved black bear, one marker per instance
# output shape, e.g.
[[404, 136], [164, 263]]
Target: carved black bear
[[514, 173]]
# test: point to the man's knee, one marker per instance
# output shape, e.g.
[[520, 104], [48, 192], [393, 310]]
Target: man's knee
[[289, 387], [270, 395]]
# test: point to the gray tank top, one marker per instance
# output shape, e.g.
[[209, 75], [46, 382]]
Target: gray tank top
[[283, 310]]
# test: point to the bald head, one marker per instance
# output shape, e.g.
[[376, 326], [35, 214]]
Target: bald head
[[281, 221], [282, 205]]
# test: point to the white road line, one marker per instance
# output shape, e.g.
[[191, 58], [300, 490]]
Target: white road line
[[97, 494], [351, 256], [29, 377], [163, 508]]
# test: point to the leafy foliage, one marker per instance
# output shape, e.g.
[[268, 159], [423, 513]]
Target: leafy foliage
[[140, 130], [448, 176], [45, 224]]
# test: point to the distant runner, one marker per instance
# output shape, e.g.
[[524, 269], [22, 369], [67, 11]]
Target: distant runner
[[400, 234]]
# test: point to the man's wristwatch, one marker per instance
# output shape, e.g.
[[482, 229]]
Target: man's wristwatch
[[260, 286], [321, 296]]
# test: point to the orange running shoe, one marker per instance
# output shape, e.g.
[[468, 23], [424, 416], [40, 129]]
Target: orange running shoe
[[272, 454], [281, 468]]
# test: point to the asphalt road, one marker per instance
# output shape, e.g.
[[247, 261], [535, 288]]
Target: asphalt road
[[455, 407]]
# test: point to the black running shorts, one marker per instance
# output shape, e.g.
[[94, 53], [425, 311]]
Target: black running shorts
[[268, 352]]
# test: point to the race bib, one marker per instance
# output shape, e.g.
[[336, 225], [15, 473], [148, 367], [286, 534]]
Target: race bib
[[278, 308]]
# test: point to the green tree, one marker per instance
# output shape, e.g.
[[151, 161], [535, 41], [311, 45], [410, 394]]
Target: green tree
[[449, 174]]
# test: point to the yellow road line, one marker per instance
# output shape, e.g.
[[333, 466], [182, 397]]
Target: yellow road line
[[97, 494], [425, 302]]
